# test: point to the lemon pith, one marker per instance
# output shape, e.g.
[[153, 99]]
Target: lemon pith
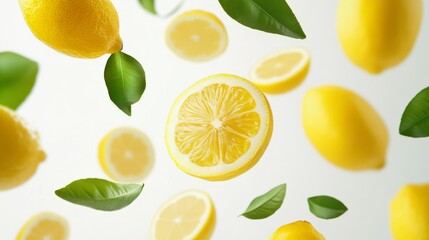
[[44, 225], [298, 230], [219, 127]]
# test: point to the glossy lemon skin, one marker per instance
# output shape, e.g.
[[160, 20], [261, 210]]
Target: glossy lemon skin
[[344, 128], [299, 230], [409, 213], [84, 28], [378, 34]]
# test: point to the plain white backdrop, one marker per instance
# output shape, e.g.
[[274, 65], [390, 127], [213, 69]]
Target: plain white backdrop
[[71, 109]]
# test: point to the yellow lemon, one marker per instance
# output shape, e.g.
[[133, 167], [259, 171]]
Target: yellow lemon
[[84, 28], [44, 225], [299, 230], [378, 34], [409, 213], [20, 152], [126, 155], [281, 71], [219, 127], [344, 128], [189, 215], [196, 36]]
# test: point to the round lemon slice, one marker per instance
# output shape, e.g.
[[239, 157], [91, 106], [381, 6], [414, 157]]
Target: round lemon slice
[[281, 71], [189, 215], [44, 225], [196, 36], [126, 155], [219, 127]]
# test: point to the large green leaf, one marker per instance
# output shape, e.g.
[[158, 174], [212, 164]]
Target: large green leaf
[[17, 78], [415, 119], [100, 194], [266, 204], [273, 16], [326, 207], [125, 80]]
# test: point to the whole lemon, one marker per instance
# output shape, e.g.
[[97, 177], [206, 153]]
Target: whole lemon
[[20, 153], [299, 230], [344, 128], [409, 213], [378, 34], [79, 28]]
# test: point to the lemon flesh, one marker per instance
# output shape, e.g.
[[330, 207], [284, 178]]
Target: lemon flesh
[[344, 128], [44, 225], [84, 28], [409, 213], [377, 35], [20, 152], [189, 215], [219, 127], [299, 230], [126, 155]]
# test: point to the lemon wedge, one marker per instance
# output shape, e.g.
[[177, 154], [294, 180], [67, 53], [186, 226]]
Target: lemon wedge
[[45, 225]]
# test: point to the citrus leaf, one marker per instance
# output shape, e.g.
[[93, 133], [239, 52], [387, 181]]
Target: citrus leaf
[[125, 80], [266, 204], [149, 5], [415, 119], [17, 78], [100, 194], [273, 16], [326, 207]]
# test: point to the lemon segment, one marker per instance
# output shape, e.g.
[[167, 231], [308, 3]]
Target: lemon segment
[[298, 230], [44, 225], [196, 36], [20, 151], [84, 28], [281, 71], [126, 155], [219, 127], [189, 215]]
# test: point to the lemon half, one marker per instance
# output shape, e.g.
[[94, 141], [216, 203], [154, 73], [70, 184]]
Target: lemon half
[[45, 225]]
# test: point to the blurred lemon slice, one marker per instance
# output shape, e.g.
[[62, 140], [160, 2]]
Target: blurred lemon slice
[[219, 127], [189, 215], [281, 71], [196, 36], [126, 155], [43, 226]]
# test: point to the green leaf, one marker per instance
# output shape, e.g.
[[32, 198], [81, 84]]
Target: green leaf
[[326, 207], [125, 80], [149, 5], [273, 16], [415, 119], [100, 194], [266, 204], [17, 78]]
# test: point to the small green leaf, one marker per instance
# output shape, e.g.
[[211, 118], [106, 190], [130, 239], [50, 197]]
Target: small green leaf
[[273, 16], [326, 207], [415, 119], [266, 204], [100, 194], [17, 78], [149, 5], [125, 80]]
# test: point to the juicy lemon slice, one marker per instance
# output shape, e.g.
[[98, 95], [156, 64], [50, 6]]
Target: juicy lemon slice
[[44, 225], [126, 155], [189, 215], [197, 36], [281, 71], [219, 127]]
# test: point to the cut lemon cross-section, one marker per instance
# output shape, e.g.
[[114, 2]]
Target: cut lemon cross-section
[[126, 155], [43, 226], [219, 127], [281, 71], [197, 36], [189, 215]]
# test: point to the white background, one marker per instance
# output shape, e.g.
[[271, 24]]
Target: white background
[[71, 109]]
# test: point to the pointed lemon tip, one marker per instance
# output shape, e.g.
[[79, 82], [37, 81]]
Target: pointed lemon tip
[[116, 46]]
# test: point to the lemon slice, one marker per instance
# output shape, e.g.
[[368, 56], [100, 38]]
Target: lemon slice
[[189, 215], [281, 71], [219, 127], [196, 36], [126, 155], [44, 225]]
